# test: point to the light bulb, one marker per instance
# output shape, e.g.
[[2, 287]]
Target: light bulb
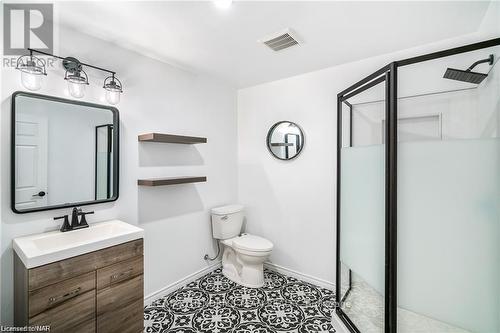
[[113, 96], [76, 90], [223, 4], [31, 81]]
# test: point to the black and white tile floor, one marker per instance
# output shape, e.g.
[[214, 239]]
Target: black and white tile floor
[[217, 305]]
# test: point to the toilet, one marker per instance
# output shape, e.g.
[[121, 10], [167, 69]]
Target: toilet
[[243, 254]]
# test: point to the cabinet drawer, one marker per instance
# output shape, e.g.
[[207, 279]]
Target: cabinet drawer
[[51, 273], [119, 272], [74, 315], [58, 293], [128, 319]]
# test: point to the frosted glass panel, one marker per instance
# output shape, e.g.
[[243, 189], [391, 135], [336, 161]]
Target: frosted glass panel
[[362, 235], [363, 213], [449, 234]]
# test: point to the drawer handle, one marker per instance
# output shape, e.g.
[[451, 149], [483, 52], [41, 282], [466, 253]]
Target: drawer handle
[[70, 294], [120, 276]]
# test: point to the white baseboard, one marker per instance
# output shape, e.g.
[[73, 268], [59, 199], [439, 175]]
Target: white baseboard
[[301, 276], [148, 299]]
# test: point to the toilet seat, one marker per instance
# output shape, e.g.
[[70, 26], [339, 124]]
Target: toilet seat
[[251, 243]]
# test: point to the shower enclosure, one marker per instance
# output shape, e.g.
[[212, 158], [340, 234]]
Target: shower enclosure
[[418, 195]]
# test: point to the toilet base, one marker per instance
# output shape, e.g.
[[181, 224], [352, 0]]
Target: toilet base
[[243, 269], [241, 281]]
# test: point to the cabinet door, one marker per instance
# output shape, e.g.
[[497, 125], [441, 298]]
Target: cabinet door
[[75, 315], [120, 307]]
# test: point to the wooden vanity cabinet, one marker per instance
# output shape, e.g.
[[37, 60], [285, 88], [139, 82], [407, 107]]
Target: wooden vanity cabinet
[[100, 291]]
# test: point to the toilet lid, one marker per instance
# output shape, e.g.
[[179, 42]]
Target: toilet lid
[[252, 243]]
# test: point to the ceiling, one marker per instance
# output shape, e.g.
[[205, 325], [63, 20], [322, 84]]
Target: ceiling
[[200, 37]]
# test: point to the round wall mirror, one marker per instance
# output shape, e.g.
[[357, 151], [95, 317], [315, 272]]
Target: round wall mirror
[[285, 140]]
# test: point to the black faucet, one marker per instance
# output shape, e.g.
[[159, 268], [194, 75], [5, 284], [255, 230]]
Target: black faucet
[[75, 224], [65, 226], [74, 217], [83, 221]]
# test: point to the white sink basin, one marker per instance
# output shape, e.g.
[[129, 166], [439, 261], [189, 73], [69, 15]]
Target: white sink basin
[[41, 249]]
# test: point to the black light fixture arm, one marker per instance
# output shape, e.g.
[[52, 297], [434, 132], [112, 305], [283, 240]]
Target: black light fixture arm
[[63, 58]]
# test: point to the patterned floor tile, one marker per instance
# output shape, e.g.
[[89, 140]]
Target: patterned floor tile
[[215, 304]]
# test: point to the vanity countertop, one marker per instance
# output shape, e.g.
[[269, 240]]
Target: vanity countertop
[[40, 249]]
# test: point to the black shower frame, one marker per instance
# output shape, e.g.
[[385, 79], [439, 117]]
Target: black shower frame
[[389, 75]]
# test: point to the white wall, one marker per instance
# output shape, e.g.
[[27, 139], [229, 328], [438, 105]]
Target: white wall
[[156, 97], [295, 205], [300, 194]]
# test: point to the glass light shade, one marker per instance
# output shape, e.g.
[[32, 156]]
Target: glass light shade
[[113, 96], [31, 81], [76, 90], [32, 71], [113, 88]]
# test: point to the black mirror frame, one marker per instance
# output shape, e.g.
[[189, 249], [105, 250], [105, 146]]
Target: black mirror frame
[[116, 152], [270, 132]]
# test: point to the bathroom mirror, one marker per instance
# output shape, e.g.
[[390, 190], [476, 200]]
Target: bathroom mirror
[[285, 140], [64, 153]]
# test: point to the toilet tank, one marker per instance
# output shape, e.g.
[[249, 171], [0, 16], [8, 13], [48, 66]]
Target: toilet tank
[[227, 221]]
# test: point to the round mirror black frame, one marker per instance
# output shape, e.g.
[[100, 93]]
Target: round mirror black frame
[[270, 133]]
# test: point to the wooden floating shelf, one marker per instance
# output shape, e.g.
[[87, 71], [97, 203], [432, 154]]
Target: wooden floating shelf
[[171, 138], [170, 181]]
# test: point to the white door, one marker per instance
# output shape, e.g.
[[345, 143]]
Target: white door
[[31, 162]]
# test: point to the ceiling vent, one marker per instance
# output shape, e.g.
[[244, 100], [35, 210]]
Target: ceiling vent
[[281, 40]]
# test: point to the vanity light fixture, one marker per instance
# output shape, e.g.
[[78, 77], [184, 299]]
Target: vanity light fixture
[[113, 88], [33, 69]]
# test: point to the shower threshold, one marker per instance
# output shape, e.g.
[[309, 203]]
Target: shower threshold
[[365, 307]]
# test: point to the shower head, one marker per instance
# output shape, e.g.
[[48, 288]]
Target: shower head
[[465, 76], [468, 75]]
